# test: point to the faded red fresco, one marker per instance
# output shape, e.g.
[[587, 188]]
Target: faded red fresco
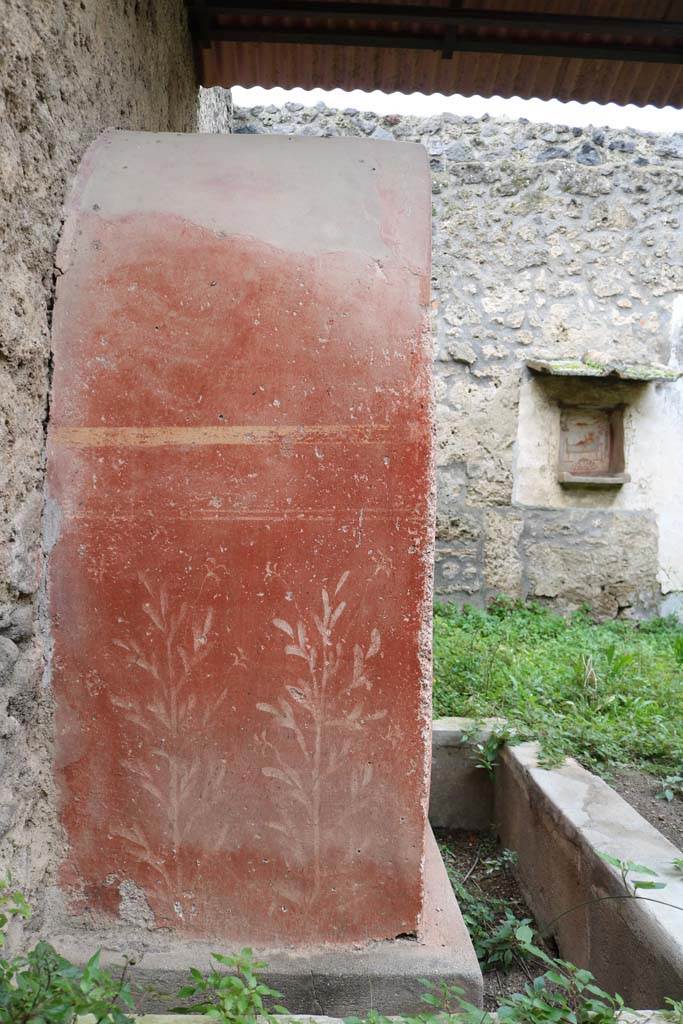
[[240, 493]]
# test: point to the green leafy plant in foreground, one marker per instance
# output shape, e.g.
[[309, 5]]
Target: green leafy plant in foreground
[[674, 1012], [627, 868], [43, 987], [672, 787], [12, 904], [234, 996], [563, 994]]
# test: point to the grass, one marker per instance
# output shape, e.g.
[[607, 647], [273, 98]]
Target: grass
[[609, 694]]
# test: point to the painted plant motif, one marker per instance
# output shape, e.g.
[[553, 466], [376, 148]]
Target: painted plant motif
[[173, 767], [324, 709]]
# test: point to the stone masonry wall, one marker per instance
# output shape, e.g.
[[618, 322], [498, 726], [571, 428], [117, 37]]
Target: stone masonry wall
[[68, 69], [553, 242]]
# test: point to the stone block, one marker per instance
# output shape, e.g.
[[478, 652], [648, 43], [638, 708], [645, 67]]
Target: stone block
[[458, 568], [588, 556], [450, 494], [9, 652], [503, 568]]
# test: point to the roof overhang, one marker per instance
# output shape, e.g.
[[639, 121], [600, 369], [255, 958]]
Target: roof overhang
[[527, 48]]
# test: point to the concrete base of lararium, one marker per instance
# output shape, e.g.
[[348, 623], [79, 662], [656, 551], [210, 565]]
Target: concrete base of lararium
[[329, 980]]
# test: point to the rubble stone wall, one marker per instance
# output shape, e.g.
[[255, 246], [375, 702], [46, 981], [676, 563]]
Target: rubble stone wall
[[68, 70], [553, 242]]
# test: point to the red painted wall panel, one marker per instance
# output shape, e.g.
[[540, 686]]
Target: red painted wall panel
[[240, 486]]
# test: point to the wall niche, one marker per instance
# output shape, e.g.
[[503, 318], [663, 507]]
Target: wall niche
[[591, 398]]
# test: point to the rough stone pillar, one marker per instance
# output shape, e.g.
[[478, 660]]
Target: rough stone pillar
[[241, 486]]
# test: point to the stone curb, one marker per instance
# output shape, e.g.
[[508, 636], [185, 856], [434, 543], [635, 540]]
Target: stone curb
[[639, 1017], [559, 821], [461, 795]]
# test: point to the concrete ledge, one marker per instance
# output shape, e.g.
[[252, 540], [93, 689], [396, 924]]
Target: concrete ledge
[[461, 793], [330, 980], [642, 1017], [559, 821], [638, 1017], [334, 981]]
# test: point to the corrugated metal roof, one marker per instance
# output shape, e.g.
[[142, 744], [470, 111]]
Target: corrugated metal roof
[[625, 51]]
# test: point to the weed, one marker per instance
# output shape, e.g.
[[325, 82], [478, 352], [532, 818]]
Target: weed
[[485, 754], [233, 996], [374, 1017], [672, 786], [564, 993], [505, 861], [485, 750], [675, 1011], [492, 925], [608, 694], [678, 650], [507, 943], [627, 868], [12, 904], [44, 988], [632, 888]]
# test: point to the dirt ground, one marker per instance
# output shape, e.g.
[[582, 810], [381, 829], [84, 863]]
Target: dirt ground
[[466, 855], [640, 790], [469, 857]]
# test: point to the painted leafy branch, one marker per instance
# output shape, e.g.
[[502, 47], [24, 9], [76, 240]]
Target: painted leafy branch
[[324, 709], [180, 780]]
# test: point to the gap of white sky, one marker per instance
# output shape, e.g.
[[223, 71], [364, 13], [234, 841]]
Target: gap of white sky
[[609, 115]]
